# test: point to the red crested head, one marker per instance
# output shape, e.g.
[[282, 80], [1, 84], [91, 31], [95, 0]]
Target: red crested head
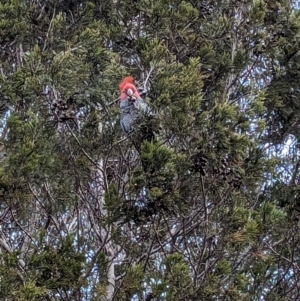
[[127, 88], [126, 80]]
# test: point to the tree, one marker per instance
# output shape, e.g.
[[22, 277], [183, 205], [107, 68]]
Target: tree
[[209, 210]]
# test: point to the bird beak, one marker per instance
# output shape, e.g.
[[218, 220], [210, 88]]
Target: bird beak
[[129, 92]]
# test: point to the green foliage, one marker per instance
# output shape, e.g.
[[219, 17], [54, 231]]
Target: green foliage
[[10, 279], [84, 215], [132, 283], [30, 292], [223, 268], [258, 11], [59, 268], [176, 281]]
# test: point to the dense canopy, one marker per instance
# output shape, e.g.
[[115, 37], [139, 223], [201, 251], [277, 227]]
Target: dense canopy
[[209, 210]]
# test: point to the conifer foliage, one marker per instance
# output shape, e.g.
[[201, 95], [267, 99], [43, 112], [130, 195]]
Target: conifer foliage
[[209, 209]]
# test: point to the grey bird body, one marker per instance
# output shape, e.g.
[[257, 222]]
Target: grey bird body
[[131, 109]]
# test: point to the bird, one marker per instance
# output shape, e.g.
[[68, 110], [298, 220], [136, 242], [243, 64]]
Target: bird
[[132, 108]]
